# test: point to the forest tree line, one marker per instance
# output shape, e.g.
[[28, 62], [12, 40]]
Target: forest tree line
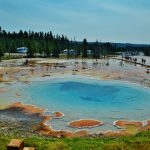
[[51, 45]]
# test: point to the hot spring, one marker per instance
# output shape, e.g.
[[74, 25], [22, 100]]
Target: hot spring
[[83, 98]]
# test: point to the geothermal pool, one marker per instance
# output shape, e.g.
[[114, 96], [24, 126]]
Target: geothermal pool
[[83, 98]]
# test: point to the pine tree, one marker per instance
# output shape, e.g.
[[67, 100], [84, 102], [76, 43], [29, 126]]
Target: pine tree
[[85, 47], [1, 52], [96, 50]]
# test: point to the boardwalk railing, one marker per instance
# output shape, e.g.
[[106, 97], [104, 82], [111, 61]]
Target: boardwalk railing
[[133, 62]]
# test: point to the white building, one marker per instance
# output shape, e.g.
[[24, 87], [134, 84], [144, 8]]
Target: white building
[[70, 52], [22, 50], [89, 52]]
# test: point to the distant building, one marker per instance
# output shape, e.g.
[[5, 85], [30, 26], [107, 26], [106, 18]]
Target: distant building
[[22, 50], [89, 52], [70, 52], [65, 51]]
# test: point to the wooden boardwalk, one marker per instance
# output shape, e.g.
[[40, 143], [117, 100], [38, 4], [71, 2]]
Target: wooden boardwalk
[[133, 62]]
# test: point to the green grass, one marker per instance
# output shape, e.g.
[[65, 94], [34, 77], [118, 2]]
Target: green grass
[[139, 142]]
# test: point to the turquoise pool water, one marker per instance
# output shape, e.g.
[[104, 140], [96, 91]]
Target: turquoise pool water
[[82, 98]]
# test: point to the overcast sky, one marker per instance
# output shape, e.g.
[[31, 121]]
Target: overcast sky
[[103, 20]]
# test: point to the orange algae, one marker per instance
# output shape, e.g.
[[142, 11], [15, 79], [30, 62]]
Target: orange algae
[[85, 123], [41, 127], [3, 90], [45, 130], [115, 133], [133, 127], [58, 115], [29, 109], [123, 124]]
